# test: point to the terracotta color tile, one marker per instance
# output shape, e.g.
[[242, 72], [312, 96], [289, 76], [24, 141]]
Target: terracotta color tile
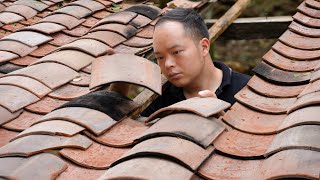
[[154, 22], [77, 32], [97, 156], [147, 168], [306, 20], [83, 80], [307, 115], [61, 39], [92, 5], [300, 42], [6, 136], [43, 14], [186, 126], [95, 121], [304, 30], [138, 42], [24, 61], [87, 69], [54, 127], [123, 49], [68, 21], [4, 33], [24, 121], [110, 38], [253, 122], [205, 107], [9, 18], [74, 10], [124, 30], [34, 144], [76, 172], [101, 14], [43, 50], [71, 58], [146, 32], [264, 104], [187, 153], [57, 76], [300, 137], [2, 6], [183, 4], [90, 21], [30, 21], [45, 105], [7, 3], [47, 28], [13, 27], [39, 6], [26, 83], [105, 2], [123, 17], [279, 76], [131, 68], [121, 134], [22, 10], [305, 9], [35, 167], [7, 56], [49, 3], [306, 100], [313, 4], [7, 116], [297, 54], [315, 75], [14, 98], [9, 67], [151, 12], [287, 64], [16, 47], [316, 71], [54, 7], [140, 21], [311, 88], [271, 90], [69, 92], [28, 37], [90, 46], [291, 164]]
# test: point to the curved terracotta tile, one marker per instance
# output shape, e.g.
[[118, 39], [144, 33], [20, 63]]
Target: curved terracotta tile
[[131, 68], [280, 76], [16, 47], [28, 37], [151, 12], [205, 107], [6, 136], [7, 116], [306, 20], [253, 122], [7, 56], [101, 14], [44, 13], [39, 6], [45, 105], [95, 121], [43, 50], [24, 61], [60, 39], [315, 75], [109, 38], [31, 21], [140, 21], [9, 18], [57, 76], [68, 21], [9, 67], [313, 4], [34, 144], [272, 90], [300, 42], [147, 168], [74, 10], [306, 100], [83, 80], [184, 152], [97, 156], [45, 27], [69, 92], [264, 104], [138, 42], [54, 127], [24, 121], [185, 126], [22, 10], [76, 172], [90, 21], [296, 54], [287, 64], [124, 30], [300, 137], [91, 5], [77, 32], [11, 28], [304, 30], [76, 60], [123, 17], [121, 48], [87, 69], [146, 32], [311, 88], [25, 168], [121, 134], [305, 9]]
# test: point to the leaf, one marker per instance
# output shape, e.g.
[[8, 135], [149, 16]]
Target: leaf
[[115, 7]]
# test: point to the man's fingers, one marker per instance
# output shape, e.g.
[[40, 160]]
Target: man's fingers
[[206, 93]]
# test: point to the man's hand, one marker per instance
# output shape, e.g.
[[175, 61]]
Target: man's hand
[[207, 93]]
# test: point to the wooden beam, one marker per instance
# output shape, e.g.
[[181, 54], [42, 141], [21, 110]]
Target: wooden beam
[[254, 28]]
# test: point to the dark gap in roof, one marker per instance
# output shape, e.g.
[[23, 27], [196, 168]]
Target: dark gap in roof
[[144, 10]]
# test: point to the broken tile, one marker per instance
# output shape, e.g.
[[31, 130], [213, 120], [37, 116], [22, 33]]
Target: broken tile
[[24, 61], [313, 3], [297, 54], [123, 49], [28, 37], [282, 77], [46, 28], [9, 67], [35, 167], [16, 47], [61, 39], [300, 42], [83, 80], [76, 172], [123, 17], [54, 127], [146, 32], [124, 30], [306, 100], [205, 107], [13, 27], [307, 20], [26, 83], [14, 98], [121, 134], [151, 12], [24, 121], [101, 14], [69, 92], [187, 153], [97, 156], [131, 68], [57, 76], [7, 56], [287, 64], [304, 30], [43, 50], [251, 121], [311, 88], [74, 10], [305, 9], [272, 90], [90, 46], [34, 144], [5, 137], [9, 18], [22, 10], [7, 116], [110, 38], [90, 22], [37, 5], [300, 137], [77, 32], [92, 5], [140, 21], [186, 126], [45, 105], [95, 121], [262, 103], [68, 21], [138, 42]]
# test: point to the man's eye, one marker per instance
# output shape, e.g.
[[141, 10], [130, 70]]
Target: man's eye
[[176, 52], [159, 58]]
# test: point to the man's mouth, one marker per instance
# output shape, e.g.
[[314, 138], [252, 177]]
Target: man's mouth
[[174, 75]]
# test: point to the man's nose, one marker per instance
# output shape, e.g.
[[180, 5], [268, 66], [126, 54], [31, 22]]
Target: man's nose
[[170, 62]]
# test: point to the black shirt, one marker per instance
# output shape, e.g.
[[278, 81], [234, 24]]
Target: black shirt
[[232, 82]]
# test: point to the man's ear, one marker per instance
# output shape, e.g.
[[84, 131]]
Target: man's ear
[[205, 46]]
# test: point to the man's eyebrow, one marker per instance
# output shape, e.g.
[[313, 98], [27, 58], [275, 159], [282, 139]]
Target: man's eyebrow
[[174, 46]]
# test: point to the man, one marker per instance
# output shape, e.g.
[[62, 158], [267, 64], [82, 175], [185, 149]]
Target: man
[[181, 46]]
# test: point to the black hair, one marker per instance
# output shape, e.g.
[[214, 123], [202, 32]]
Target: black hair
[[190, 19]]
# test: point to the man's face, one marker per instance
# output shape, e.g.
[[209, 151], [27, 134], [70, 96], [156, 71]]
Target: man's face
[[178, 55]]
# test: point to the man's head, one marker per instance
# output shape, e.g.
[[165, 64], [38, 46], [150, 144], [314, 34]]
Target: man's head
[[181, 46]]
